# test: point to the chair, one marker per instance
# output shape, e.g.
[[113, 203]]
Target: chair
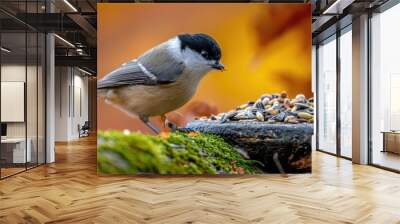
[[84, 130]]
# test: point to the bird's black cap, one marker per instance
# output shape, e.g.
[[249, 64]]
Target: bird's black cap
[[201, 43]]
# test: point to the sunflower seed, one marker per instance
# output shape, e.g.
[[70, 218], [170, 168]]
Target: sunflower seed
[[283, 94], [259, 105], [228, 116], [300, 98], [301, 106], [305, 115], [289, 118], [279, 117], [243, 106], [259, 116], [272, 108]]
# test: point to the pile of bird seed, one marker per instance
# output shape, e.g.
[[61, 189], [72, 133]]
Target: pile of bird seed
[[271, 108]]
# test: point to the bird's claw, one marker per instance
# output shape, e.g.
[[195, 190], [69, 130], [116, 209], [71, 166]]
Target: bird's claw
[[173, 127], [168, 124], [152, 127]]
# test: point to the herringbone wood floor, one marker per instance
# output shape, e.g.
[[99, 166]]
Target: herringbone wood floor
[[69, 191]]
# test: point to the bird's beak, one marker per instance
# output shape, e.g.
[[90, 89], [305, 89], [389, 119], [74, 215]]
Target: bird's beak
[[218, 66]]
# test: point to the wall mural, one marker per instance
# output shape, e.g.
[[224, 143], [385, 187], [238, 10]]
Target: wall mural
[[204, 88]]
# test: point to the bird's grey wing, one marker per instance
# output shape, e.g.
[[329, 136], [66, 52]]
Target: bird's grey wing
[[128, 74], [161, 62], [159, 69]]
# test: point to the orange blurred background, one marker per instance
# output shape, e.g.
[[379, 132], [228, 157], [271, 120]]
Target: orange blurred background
[[266, 48]]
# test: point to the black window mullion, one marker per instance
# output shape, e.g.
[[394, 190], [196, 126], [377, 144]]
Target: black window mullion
[[338, 77], [317, 96], [369, 100], [44, 79], [37, 90], [26, 87]]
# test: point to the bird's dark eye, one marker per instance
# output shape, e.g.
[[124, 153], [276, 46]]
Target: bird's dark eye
[[204, 54]]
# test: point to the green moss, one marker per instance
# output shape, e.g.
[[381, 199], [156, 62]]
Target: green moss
[[177, 153]]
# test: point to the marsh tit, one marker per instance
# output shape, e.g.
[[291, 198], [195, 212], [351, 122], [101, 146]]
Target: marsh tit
[[162, 79]]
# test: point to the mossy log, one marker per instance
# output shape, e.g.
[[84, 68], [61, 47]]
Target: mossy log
[[291, 142], [175, 153]]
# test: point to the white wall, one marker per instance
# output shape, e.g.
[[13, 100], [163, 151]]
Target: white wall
[[80, 97], [61, 103], [71, 94], [12, 73], [9, 73]]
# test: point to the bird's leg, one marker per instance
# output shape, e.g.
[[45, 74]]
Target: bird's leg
[[146, 121], [164, 119], [168, 123], [278, 164]]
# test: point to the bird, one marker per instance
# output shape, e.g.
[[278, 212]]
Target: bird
[[163, 78]]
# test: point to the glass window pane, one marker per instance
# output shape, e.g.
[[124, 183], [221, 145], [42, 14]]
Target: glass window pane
[[346, 94], [32, 88], [23, 90], [14, 153], [385, 89], [327, 96]]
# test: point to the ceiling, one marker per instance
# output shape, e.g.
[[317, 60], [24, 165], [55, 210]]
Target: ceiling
[[329, 16], [75, 23]]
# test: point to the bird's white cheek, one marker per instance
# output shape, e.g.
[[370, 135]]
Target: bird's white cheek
[[199, 69], [198, 66], [193, 58]]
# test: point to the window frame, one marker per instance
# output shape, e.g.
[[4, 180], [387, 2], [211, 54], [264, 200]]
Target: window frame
[[333, 37]]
